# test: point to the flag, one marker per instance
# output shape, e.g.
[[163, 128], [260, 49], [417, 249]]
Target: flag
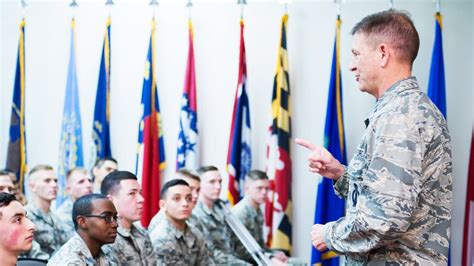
[[468, 240], [188, 138], [278, 206], [70, 146], [151, 153], [329, 207], [239, 155], [100, 126], [437, 85], [16, 154]]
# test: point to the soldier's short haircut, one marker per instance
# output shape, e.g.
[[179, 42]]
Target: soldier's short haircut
[[394, 28], [77, 169], [257, 175], [204, 169], [40, 167], [170, 184], [189, 174], [83, 206], [5, 200], [111, 183], [4, 172], [101, 161]]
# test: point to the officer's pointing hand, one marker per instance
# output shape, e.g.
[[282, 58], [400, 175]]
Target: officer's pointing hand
[[321, 160]]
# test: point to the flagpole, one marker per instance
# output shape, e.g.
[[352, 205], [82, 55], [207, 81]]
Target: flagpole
[[242, 4]]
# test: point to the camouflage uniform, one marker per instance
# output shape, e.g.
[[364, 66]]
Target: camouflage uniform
[[76, 252], [175, 247], [35, 252], [398, 185], [132, 247], [50, 232], [217, 234], [193, 221], [64, 212]]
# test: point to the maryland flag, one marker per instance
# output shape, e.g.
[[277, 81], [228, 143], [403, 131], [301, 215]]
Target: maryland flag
[[16, 154], [151, 152], [278, 207], [187, 154], [329, 207], [100, 126]]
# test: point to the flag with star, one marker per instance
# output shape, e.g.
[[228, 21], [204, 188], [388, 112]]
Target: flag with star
[[188, 139], [151, 152]]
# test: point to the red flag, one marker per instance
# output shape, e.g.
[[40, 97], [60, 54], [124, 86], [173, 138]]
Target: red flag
[[468, 241], [151, 155]]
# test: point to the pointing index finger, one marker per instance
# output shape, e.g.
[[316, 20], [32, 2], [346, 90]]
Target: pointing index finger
[[306, 143]]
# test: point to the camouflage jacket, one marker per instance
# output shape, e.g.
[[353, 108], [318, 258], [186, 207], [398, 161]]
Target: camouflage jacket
[[175, 247], [64, 212], [76, 252], [217, 234], [50, 231], [132, 247], [193, 221], [398, 185], [252, 219]]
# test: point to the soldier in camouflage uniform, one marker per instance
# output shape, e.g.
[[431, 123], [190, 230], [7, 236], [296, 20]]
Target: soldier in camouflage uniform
[[50, 231], [398, 185], [101, 169], [215, 230], [16, 231], [133, 245], [249, 213], [95, 221], [78, 184], [174, 241], [195, 184], [7, 186]]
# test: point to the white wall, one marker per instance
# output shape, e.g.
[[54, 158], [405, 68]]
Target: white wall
[[310, 40]]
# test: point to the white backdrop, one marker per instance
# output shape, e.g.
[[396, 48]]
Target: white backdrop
[[310, 41]]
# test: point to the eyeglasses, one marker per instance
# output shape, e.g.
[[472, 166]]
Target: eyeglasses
[[107, 218]]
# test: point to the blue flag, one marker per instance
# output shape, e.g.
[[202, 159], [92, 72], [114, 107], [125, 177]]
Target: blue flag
[[16, 154], [437, 84], [100, 126], [70, 147], [239, 154], [329, 207]]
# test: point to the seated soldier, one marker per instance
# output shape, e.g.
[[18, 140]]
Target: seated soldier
[[50, 231], [7, 186], [174, 241], [101, 169], [16, 188], [215, 230], [133, 245], [16, 231], [95, 221], [249, 213], [195, 184], [78, 184]]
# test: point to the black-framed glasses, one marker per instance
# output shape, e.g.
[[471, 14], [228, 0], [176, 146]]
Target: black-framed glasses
[[107, 218]]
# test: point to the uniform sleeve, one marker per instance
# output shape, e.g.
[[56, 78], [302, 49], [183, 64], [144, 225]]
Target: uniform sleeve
[[341, 186], [388, 192]]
